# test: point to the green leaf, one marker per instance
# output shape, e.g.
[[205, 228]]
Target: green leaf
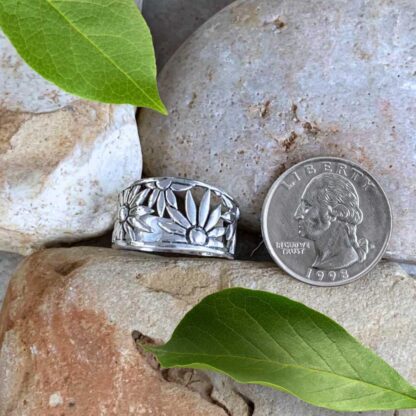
[[262, 338], [97, 49]]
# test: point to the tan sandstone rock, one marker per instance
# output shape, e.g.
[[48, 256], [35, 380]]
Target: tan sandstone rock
[[58, 357], [62, 159], [66, 332]]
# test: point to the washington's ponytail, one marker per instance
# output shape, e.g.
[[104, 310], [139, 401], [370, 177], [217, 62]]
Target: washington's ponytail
[[361, 246]]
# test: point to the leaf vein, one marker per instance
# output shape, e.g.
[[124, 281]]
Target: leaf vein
[[299, 336], [263, 329], [315, 370], [74, 27]]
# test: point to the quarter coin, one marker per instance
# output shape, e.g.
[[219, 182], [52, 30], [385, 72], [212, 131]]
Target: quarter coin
[[326, 221]]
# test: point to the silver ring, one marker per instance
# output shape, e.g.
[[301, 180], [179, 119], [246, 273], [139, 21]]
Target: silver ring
[[176, 215]]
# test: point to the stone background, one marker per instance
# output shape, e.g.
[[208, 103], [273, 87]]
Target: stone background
[[113, 295], [134, 292]]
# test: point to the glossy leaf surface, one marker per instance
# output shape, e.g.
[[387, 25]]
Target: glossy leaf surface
[[97, 49], [263, 338]]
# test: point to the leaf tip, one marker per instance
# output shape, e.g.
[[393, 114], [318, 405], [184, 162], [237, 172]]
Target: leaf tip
[[156, 105], [162, 109]]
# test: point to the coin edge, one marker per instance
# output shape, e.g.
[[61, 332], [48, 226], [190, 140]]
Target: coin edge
[[280, 263]]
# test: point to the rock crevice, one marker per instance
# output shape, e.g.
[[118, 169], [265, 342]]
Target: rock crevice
[[66, 332]]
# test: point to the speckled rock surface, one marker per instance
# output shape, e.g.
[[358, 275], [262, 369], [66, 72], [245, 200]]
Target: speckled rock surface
[[265, 84], [70, 314], [62, 159], [172, 21]]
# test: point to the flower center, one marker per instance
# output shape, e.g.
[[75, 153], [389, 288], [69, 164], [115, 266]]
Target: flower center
[[197, 236], [123, 213]]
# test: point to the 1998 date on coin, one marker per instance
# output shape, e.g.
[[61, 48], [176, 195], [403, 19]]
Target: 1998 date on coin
[[330, 275], [326, 221]]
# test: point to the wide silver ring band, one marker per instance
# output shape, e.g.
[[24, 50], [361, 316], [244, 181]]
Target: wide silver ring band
[[176, 215]]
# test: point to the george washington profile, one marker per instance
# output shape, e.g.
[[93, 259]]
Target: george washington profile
[[328, 214]]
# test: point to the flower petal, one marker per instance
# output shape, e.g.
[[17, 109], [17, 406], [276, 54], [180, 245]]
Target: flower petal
[[118, 232], [204, 208], [178, 239], [230, 231], [121, 198], [228, 216], [172, 228], [171, 198], [129, 231], [212, 242], [217, 232], [153, 198], [124, 196], [190, 207], [163, 184], [180, 187], [140, 225], [161, 204], [134, 190], [127, 194], [141, 210], [133, 212], [142, 197], [213, 219], [227, 202], [178, 217]]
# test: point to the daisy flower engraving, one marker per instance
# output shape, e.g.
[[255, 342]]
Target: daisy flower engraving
[[176, 215], [163, 194], [199, 226], [130, 212]]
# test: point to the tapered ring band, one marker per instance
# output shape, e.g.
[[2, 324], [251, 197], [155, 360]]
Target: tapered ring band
[[176, 215]]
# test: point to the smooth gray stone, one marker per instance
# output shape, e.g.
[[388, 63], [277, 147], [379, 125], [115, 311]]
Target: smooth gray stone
[[267, 83], [172, 21], [410, 268]]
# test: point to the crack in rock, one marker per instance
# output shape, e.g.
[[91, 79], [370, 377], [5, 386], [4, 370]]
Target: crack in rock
[[250, 404], [192, 379]]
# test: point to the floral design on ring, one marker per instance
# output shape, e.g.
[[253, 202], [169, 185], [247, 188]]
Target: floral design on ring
[[130, 211], [178, 215], [198, 226]]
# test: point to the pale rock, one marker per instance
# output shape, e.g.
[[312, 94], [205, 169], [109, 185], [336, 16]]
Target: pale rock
[[62, 159], [410, 269], [55, 400], [265, 84], [70, 314], [172, 21]]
